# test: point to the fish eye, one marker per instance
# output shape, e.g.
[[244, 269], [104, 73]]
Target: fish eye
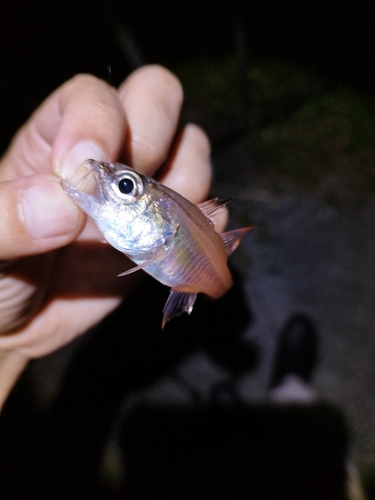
[[128, 185]]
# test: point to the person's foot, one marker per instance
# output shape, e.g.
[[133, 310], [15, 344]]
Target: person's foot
[[296, 352]]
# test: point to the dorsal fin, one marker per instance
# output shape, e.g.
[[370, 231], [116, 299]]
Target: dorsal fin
[[212, 209], [231, 239]]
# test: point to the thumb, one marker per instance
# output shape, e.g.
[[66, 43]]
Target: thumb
[[36, 216]]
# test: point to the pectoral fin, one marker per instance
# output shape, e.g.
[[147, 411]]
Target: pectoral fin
[[178, 303], [231, 239], [161, 253]]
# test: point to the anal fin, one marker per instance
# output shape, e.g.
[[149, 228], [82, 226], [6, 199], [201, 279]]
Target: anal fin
[[178, 303]]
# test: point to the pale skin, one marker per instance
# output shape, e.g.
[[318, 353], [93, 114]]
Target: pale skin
[[57, 278]]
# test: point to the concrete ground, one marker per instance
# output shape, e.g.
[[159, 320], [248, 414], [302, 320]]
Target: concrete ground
[[305, 256], [312, 257]]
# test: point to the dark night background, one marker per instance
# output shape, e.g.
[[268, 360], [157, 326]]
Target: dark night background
[[56, 453], [45, 43]]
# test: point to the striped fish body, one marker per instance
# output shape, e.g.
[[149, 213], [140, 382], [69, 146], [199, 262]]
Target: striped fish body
[[170, 238], [197, 259]]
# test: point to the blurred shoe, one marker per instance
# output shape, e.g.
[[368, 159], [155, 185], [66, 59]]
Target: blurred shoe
[[296, 353], [292, 390]]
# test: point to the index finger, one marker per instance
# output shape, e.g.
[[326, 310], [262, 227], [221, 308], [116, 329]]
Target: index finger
[[82, 119], [152, 98]]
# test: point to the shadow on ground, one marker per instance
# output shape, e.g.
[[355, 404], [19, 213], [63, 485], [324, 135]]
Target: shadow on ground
[[218, 447]]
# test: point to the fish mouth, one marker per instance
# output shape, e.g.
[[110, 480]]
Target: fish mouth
[[100, 181], [86, 178]]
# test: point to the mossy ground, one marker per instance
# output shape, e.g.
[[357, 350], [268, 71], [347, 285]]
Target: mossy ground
[[303, 130]]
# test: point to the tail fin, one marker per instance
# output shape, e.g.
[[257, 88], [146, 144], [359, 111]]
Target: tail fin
[[231, 239]]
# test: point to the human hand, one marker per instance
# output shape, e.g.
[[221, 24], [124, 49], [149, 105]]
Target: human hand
[[57, 278]]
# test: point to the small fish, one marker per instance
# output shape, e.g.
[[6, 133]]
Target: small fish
[[166, 235]]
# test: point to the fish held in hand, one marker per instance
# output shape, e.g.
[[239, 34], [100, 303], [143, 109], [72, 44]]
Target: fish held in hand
[[166, 235]]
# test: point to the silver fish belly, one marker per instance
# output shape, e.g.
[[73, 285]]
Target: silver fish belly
[[170, 238]]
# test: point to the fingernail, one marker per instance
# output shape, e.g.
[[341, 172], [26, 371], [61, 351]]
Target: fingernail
[[47, 211], [81, 152]]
